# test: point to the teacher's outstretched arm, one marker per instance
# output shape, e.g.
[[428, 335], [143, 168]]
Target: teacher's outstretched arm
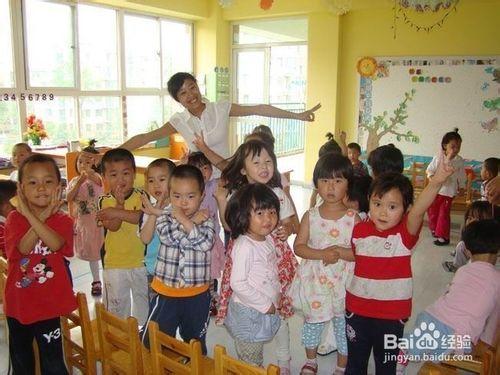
[[270, 111], [141, 139]]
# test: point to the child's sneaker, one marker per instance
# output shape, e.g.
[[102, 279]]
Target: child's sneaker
[[96, 289]]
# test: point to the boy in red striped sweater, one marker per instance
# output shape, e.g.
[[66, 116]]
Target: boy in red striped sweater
[[378, 300]]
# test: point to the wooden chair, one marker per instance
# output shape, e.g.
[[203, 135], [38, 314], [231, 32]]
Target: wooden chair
[[3, 283], [226, 365], [80, 339], [486, 361], [174, 356], [122, 350], [418, 177]]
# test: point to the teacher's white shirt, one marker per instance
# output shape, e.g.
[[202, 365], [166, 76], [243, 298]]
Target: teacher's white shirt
[[214, 121]]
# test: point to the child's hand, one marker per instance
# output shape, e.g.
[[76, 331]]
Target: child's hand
[[119, 194], [23, 206], [55, 204], [331, 255], [199, 142], [200, 216], [283, 231], [272, 310], [148, 208], [461, 191], [179, 215], [185, 155], [108, 213], [443, 171], [83, 177], [342, 136]]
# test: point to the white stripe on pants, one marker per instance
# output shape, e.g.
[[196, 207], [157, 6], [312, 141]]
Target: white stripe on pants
[[119, 283]]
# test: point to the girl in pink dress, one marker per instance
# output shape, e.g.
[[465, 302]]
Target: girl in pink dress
[[82, 195]]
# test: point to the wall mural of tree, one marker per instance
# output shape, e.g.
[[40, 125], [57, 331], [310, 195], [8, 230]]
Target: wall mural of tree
[[381, 126]]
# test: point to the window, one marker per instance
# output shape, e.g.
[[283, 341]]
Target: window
[[50, 44], [10, 131], [98, 48], [105, 83], [142, 52], [58, 117], [6, 63], [177, 53], [100, 118], [143, 114]]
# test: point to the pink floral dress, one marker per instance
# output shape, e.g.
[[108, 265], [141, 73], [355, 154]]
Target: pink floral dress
[[318, 291], [88, 236]]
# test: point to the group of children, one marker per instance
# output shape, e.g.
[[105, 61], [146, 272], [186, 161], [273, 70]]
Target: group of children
[[162, 246]]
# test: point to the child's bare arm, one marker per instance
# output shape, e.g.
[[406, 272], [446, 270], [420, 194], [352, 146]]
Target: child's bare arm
[[313, 199], [71, 194], [214, 158], [342, 141], [300, 245], [148, 230], [221, 198], [427, 196]]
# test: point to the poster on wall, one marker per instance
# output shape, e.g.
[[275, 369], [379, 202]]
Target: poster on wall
[[413, 101]]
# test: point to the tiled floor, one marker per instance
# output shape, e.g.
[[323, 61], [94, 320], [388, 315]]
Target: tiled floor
[[429, 282]]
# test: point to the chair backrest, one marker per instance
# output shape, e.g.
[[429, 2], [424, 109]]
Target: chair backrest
[[79, 353], [119, 335], [226, 365], [168, 353]]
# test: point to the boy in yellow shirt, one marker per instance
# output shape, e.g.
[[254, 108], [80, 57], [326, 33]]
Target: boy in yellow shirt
[[124, 270]]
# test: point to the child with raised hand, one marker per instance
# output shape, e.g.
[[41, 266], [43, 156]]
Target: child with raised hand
[[38, 290], [489, 170], [440, 210], [119, 211], [254, 162], [20, 151], [478, 210], [323, 242], [469, 309], [378, 299], [84, 191], [182, 272], [252, 214], [7, 192], [218, 257], [157, 175]]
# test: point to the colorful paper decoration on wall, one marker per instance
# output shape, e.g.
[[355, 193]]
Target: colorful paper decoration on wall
[[266, 4], [401, 6]]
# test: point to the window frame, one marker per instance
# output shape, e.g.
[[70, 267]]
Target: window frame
[[20, 54]]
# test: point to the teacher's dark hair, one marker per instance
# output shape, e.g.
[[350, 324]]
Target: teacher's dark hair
[[175, 83]]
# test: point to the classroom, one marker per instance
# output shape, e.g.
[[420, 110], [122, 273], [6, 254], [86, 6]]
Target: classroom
[[249, 186]]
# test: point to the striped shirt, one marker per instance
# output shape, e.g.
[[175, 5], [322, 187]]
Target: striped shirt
[[183, 258], [382, 284]]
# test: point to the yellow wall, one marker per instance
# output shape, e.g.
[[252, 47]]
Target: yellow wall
[[366, 32]]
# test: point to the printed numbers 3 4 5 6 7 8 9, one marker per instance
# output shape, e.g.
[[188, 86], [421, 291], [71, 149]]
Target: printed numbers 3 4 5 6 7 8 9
[[29, 97]]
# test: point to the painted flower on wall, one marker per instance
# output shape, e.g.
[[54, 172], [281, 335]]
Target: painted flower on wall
[[266, 4]]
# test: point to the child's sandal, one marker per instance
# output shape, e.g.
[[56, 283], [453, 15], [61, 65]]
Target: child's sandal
[[96, 289], [309, 369]]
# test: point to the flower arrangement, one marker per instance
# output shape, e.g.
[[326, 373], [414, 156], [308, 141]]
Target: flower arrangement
[[35, 130]]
